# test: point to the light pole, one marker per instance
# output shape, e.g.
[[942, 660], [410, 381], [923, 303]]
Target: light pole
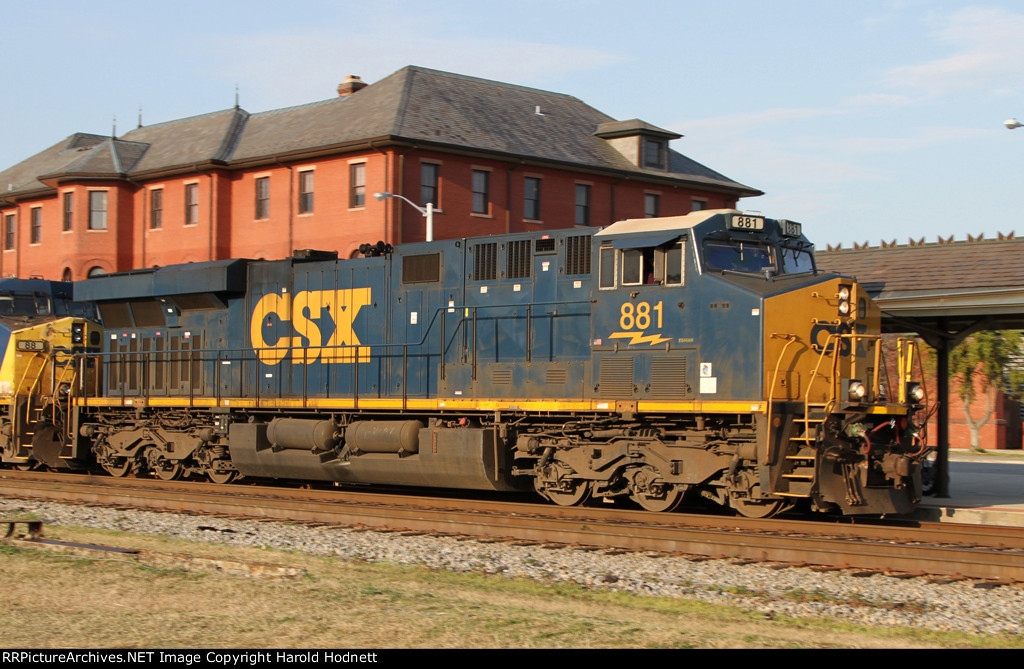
[[428, 211], [1012, 123]]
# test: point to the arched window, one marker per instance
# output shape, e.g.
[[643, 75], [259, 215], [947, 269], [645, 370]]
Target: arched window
[[66, 276], [96, 271]]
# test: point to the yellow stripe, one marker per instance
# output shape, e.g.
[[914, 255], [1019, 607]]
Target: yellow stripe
[[887, 410], [447, 404]]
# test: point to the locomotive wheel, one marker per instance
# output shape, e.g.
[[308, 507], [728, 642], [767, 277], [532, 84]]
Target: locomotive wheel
[[746, 498], [166, 470], [579, 493], [667, 501], [649, 490], [221, 475], [758, 509], [119, 469]]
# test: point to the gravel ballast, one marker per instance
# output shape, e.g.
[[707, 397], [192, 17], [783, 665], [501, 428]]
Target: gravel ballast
[[963, 606]]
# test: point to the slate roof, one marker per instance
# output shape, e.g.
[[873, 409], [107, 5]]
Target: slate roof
[[415, 104], [960, 265], [949, 286]]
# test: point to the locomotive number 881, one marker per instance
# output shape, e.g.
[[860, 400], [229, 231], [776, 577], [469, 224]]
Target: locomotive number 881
[[700, 355]]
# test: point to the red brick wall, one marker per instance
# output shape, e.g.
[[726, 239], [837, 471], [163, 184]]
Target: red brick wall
[[227, 226]]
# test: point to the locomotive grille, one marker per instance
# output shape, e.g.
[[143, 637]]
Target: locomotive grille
[[557, 377], [544, 246], [616, 378], [668, 379], [422, 268], [577, 254], [517, 259], [501, 377], [485, 262]]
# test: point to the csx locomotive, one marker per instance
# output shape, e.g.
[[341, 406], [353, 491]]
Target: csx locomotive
[[701, 354], [41, 329]]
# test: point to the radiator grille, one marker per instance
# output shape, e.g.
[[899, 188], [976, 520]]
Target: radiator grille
[[668, 379], [485, 262], [577, 255], [557, 377], [616, 377], [518, 259]]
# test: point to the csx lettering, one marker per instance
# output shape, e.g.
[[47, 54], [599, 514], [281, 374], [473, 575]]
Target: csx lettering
[[822, 338], [309, 313]]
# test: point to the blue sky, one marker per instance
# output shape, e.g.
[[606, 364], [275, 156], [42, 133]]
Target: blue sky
[[868, 120]]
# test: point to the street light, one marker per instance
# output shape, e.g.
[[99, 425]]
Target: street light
[[1012, 123], [428, 211]]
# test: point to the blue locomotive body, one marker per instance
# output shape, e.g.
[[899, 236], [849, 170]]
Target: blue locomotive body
[[645, 360]]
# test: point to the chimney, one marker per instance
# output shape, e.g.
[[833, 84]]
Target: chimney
[[351, 84]]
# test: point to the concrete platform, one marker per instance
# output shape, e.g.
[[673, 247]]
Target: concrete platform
[[985, 488]]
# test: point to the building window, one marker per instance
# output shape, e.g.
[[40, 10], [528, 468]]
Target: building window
[[430, 177], [481, 192], [96, 271], [36, 231], [698, 205], [69, 210], [652, 205], [191, 204], [262, 197], [654, 153], [531, 198], [9, 232], [156, 209], [306, 192], [98, 210], [357, 187], [66, 276], [582, 204]]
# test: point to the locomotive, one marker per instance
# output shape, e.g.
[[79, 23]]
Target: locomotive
[[702, 355], [41, 329]]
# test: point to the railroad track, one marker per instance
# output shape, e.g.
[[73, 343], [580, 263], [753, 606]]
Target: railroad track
[[905, 547]]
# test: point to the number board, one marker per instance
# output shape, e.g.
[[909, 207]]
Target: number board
[[791, 228], [744, 222], [31, 345]]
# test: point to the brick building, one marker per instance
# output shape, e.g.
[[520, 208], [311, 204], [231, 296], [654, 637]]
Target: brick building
[[492, 158]]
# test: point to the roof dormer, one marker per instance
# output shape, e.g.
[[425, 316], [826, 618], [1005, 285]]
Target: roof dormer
[[643, 144]]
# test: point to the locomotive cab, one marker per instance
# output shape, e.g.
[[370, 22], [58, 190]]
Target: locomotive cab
[[721, 319]]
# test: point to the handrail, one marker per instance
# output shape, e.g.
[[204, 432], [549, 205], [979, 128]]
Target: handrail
[[351, 352]]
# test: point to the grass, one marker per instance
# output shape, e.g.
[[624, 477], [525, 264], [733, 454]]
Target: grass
[[57, 600]]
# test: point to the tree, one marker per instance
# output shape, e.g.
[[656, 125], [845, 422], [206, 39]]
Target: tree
[[981, 364]]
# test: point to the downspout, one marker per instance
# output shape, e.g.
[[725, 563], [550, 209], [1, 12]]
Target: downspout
[[145, 227], [213, 217], [508, 199], [291, 186], [389, 220]]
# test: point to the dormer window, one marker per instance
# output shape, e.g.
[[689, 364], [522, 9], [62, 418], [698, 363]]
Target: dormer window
[[643, 144], [655, 150]]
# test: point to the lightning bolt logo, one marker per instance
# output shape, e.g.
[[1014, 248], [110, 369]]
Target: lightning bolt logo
[[639, 338]]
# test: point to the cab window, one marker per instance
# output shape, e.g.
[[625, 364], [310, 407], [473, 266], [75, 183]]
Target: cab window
[[795, 261], [737, 256]]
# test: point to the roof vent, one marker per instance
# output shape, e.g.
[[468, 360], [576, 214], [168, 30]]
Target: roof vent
[[351, 84]]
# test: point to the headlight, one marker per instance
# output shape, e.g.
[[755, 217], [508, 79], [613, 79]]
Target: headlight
[[856, 390], [915, 393], [844, 299]]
